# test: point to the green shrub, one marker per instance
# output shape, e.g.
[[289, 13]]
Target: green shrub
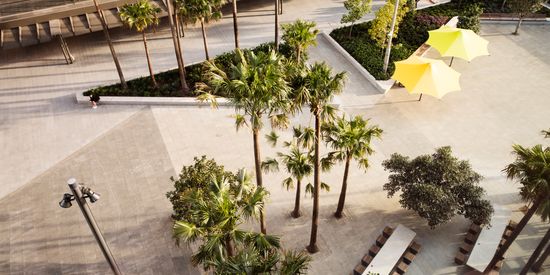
[[367, 53], [415, 27]]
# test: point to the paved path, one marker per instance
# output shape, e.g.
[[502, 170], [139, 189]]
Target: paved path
[[127, 153]]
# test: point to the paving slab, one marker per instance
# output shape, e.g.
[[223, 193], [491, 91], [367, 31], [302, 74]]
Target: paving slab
[[130, 168]]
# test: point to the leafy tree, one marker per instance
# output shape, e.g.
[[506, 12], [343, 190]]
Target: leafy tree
[[438, 187], [532, 169], [381, 24], [203, 11], [140, 16], [193, 178], [523, 8], [356, 10], [470, 17], [214, 214], [351, 140], [319, 85], [300, 35], [256, 86]]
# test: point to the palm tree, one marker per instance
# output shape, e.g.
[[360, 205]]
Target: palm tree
[[177, 47], [299, 165], [140, 16], [536, 253], [216, 214], [235, 25], [537, 267], [277, 24], [256, 85], [300, 35], [351, 140], [250, 262], [202, 11], [111, 47], [319, 86], [532, 169]]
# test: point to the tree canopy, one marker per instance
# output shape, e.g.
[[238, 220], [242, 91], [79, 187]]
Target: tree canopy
[[438, 187], [382, 22], [356, 10]]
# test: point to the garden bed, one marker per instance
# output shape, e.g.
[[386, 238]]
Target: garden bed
[[169, 82], [413, 32]]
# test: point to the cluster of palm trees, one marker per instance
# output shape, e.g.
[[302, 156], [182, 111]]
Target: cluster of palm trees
[[265, 86], [143, 15]]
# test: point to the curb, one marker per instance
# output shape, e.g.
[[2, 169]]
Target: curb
[[139, 100], [381, 87]]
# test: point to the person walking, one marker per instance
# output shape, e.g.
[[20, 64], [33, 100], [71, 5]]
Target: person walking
[[94, 98]]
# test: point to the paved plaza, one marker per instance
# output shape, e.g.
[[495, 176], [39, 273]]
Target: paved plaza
[[128, 153]]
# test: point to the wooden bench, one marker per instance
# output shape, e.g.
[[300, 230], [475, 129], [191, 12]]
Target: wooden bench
[[366, 260], [381, 240], [470, 238], [466, 248], [408, 257], [374, 249], [402, 267], [359, 269], [474, 229], [460, 258], [387, 231], [415, 248]]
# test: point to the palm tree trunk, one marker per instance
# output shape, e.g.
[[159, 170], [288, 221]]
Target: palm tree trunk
[[297, 213], [149, 60], [229, 247], [500, 253], [179, 26], [537, 267], [204, 40], [276, 25], [298, 54], [235, 25], [177, 49], [516, 32], [179, 42], [111, 47], [342, 198], [259, 181], [536, 253], [312, 247]]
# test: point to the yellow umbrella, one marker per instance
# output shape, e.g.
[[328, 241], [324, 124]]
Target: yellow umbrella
[[422, 75], [457, 42]]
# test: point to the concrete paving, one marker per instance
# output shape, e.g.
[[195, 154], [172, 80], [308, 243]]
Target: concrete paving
[[127, 153]]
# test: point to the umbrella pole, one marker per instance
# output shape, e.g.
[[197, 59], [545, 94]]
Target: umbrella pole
[[420, 98], [452, 58]]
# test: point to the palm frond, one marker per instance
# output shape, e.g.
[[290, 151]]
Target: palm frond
[[272, 138], [270, 165]]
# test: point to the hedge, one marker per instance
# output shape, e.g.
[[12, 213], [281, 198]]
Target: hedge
[[169, 82]]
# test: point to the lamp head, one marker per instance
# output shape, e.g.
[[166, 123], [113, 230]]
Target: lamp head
[[93, 196], [66, 201]]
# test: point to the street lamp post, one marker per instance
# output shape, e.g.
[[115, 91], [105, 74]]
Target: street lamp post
[[80, 193]]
